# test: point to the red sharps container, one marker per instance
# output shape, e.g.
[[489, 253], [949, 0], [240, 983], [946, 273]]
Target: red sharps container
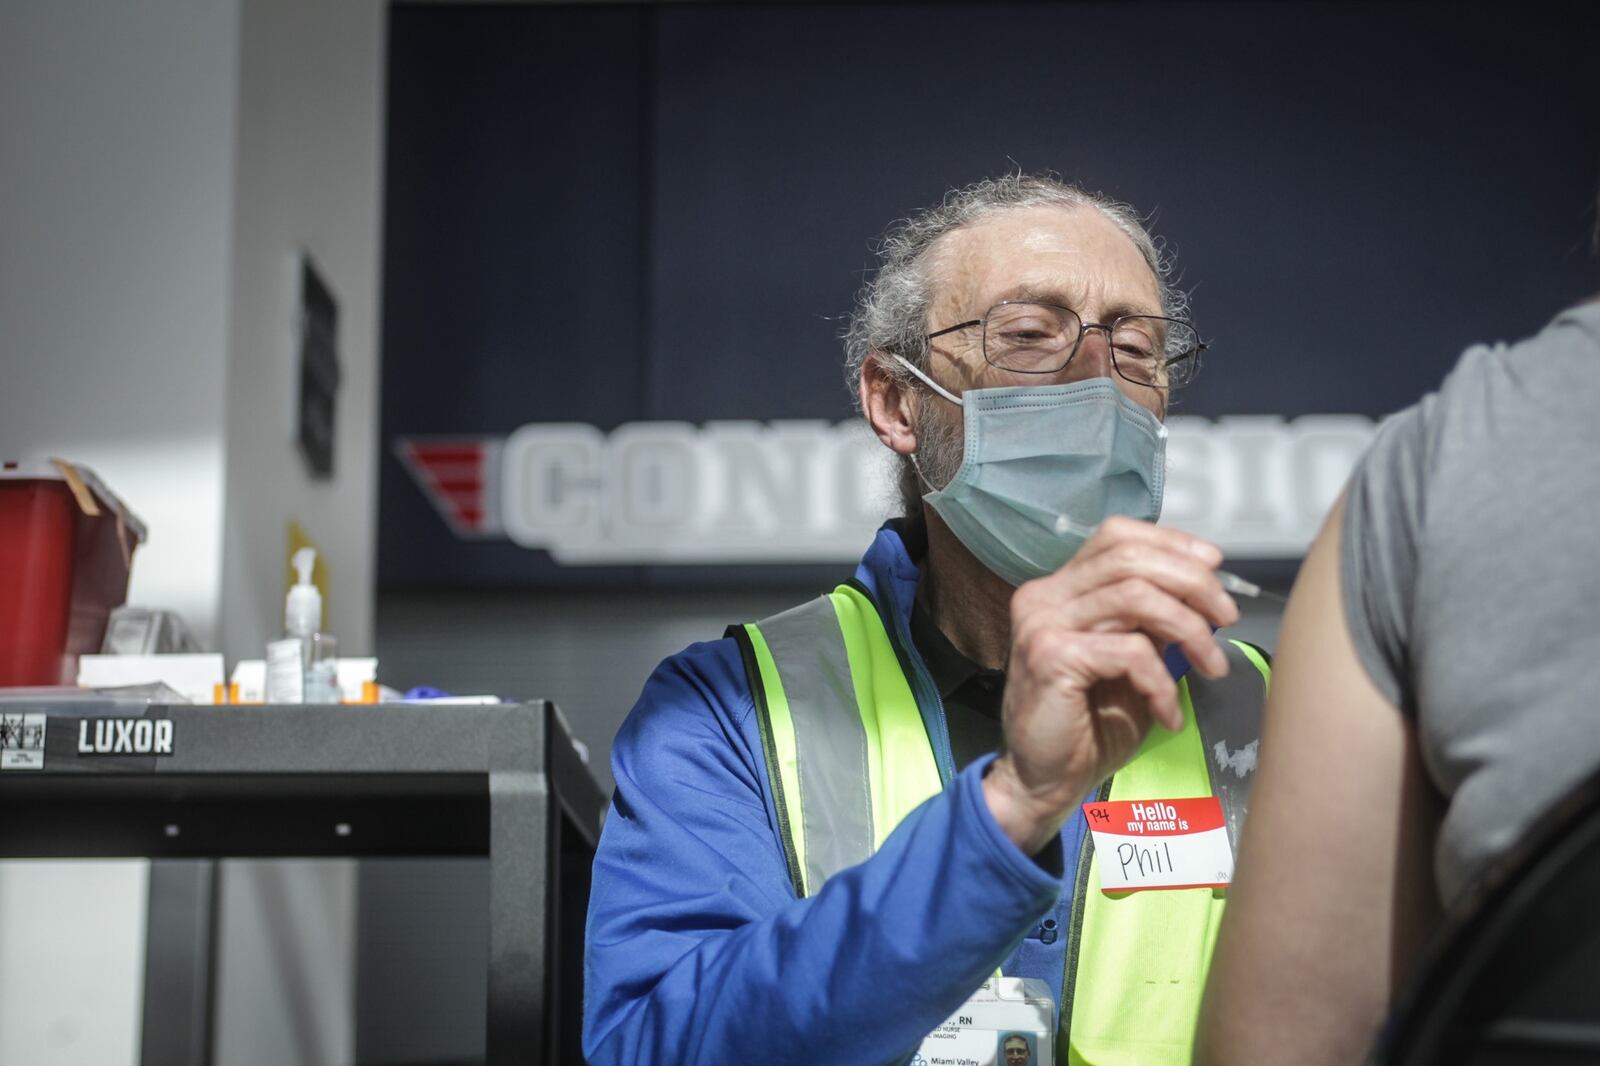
[[66, 545]]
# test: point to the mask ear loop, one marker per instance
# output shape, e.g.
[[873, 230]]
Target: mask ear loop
[[932, 384], [942, 391], [917, 467]]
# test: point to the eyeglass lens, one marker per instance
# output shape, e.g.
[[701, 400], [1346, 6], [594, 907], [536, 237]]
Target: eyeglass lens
[[1034, 338]]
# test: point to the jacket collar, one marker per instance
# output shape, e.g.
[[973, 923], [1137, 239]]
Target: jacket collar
[[889, 568]]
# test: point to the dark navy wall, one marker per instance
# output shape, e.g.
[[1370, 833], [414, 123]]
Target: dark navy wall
[[619, 212]]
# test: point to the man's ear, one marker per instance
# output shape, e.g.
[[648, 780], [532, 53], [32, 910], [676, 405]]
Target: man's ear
[[888, 403]]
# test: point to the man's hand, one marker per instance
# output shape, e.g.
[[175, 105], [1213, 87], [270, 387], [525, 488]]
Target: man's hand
[[1085, 676]]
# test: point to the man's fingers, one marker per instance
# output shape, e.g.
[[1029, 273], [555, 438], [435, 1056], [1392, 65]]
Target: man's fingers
[[1119, 529], [1131, 657], [1188, 579], [1172, 600], [1136, 604], [1135, 556]]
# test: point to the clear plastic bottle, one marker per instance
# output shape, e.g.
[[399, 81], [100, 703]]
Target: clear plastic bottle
[[303, 666], [322, 668]]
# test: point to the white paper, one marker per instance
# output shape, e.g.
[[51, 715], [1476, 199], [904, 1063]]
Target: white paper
[[194, 677]]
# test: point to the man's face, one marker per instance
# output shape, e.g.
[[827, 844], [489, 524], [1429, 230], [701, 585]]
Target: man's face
[[1016, 1050], [1076, 258]]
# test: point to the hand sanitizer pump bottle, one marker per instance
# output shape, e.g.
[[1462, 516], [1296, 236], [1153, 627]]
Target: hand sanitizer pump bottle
[[303, 666]]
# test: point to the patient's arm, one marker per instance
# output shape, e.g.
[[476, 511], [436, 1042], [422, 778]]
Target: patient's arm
[[1333, 894]]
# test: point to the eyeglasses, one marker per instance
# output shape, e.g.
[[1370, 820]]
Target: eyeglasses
[[1037, 338]]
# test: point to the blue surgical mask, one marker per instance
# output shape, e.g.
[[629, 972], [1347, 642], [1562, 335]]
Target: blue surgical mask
[[1035, 454]]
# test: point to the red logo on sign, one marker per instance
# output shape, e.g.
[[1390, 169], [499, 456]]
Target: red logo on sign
[[457, 474]]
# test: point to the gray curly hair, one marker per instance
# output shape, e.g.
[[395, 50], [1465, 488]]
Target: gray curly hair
[[891, 312]]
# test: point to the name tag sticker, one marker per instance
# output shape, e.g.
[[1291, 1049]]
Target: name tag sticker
[[1166, 843]]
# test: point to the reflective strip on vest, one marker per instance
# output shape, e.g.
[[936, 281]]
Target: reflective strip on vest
[[849, 756], [853, 755]]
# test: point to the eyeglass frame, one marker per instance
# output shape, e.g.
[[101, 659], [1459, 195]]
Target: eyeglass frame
[[1083, 330]]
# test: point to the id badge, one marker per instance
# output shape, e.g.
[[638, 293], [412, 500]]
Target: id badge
[[1165, 843], [1009, 1021]]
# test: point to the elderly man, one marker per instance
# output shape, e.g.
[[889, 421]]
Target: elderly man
[[814, 854]]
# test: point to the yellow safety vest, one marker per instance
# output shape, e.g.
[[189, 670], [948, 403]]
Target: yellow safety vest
[[836, 711]]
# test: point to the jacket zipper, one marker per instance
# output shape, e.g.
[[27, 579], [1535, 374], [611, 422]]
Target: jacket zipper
[[941, 747]]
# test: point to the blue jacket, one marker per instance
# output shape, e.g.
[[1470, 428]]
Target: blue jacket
[[698, 950]]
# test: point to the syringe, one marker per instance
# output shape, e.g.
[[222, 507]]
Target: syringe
[[1240, 587], [1232, 583]]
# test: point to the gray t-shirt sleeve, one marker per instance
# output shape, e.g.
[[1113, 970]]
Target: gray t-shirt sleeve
[[1382, 527], [1468, 588]]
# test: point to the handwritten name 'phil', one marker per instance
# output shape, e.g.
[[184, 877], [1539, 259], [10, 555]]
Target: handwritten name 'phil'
[[1155, 859]]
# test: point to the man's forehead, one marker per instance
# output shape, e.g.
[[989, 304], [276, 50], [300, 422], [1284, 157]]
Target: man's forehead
[[1075, 256]]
